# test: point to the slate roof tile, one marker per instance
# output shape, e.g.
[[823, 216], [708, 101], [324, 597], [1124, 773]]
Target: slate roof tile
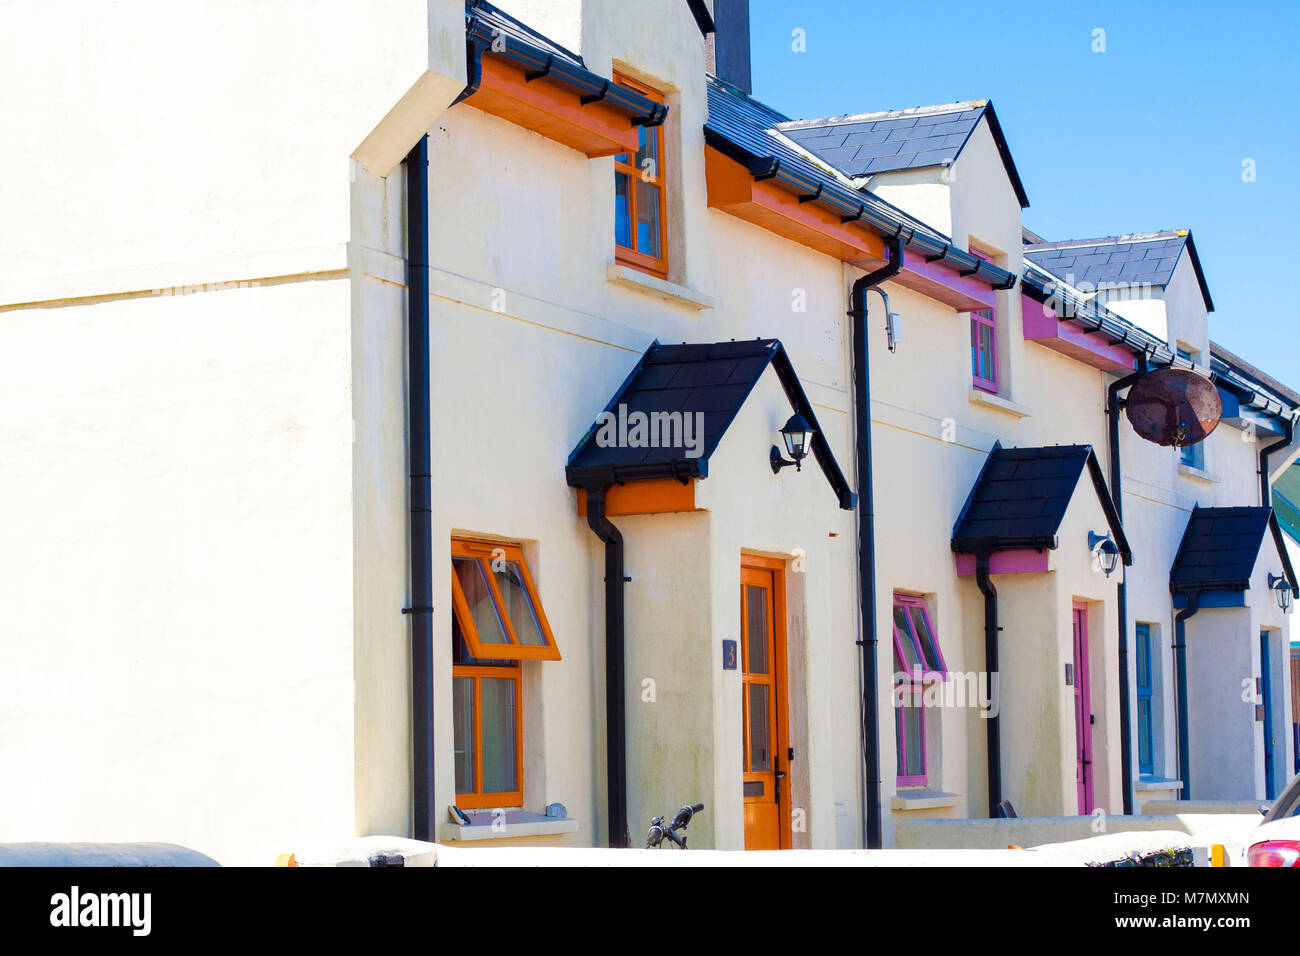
[[1219, 548]]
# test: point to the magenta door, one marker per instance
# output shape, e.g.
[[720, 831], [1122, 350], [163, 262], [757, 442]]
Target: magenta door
[[1082, 711]]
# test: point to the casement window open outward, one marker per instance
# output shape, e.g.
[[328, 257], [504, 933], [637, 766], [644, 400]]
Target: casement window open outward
[[917, 659], [497, 622]]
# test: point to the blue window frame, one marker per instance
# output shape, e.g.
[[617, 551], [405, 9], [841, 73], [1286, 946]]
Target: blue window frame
[[1145, 731], [1190, 455]]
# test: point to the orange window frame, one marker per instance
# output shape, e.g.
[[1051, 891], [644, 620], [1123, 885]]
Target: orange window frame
[[631, 256], [478, 800], [485, 552]]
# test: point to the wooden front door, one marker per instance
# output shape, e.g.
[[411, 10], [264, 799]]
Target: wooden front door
[[763, 705], [1082, 710]]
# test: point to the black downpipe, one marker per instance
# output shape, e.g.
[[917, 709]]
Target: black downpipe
[[1121, 590], [421, 609], [991, 629], [1180, 664], [1265, 493], [873, 834], [615, 687]]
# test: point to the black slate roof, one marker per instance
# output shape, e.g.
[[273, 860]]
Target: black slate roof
[[1021, 495], [1220, 547], [739, 119], [1143, 259], [713, 379], [749, 132], [871, 143]]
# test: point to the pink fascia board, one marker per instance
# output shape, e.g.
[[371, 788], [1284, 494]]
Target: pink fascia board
[[942, 282], [1019, 561], [1041, 325]]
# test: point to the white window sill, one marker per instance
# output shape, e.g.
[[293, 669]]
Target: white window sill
[[1191, 471], [922, 799], [485, 825], [987, 399], [663, 289], [1148, 783]]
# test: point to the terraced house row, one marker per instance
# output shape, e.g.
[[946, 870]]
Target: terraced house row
[[542, 425]]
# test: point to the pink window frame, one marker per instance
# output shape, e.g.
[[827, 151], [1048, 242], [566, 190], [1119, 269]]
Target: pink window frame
[[985, 318], [906, 778], [914, 688], [927, 673]]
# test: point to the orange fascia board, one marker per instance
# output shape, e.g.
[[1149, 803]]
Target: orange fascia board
[[546, 107], [733, 190], [651, 496]]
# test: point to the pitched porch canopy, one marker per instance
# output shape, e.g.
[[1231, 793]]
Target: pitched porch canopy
[[524, 77], [1218, 553], [1016, 506], [683, 384]]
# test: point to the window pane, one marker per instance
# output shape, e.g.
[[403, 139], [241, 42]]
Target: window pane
[[1144, 735], [498, 709], [910, 726], [462, 710], [986, 353], [929, 647], [648, 149], [760, 756], [622, 210], [756, 598], [648, 198], [519, 608], [478, 595], [1143, 657], [911, 662]]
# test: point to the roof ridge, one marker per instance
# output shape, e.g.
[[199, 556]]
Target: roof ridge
[[959, 107], [1107, 240]]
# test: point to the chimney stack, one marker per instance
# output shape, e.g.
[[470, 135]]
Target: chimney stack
[[729, 45]]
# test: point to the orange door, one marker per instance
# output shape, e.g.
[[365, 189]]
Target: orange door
[[763, 703]]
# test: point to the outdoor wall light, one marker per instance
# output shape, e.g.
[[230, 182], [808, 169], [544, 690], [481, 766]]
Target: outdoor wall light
[[797, 435], [1281, 589], [1106, 550]]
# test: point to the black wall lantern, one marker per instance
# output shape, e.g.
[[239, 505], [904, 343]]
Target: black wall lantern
[[797, 435], [1106, 550], [1281, 589]]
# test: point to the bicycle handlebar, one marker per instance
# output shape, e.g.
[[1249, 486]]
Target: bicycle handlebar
[[658, 832]]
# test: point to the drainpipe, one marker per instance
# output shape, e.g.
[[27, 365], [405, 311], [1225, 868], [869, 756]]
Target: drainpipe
[[1265, 493], [1121, 589], [1180, 661], [615, 686], [421, 610], [872, 832], [991, 629]]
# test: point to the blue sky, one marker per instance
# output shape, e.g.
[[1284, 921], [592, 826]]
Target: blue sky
[[1148, 135]]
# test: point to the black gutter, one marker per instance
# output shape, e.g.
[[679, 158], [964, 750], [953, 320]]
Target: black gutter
[[1180, 661], [857, 206], [615, 685], [1265, 494], [558, 66], [991, 629], [423, 826], [872, 832], [1121, 589]]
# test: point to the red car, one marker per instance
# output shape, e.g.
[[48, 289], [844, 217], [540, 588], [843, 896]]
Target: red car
[[1277, 842]]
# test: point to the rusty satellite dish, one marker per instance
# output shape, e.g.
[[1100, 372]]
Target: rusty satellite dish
[[1173, 406]]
